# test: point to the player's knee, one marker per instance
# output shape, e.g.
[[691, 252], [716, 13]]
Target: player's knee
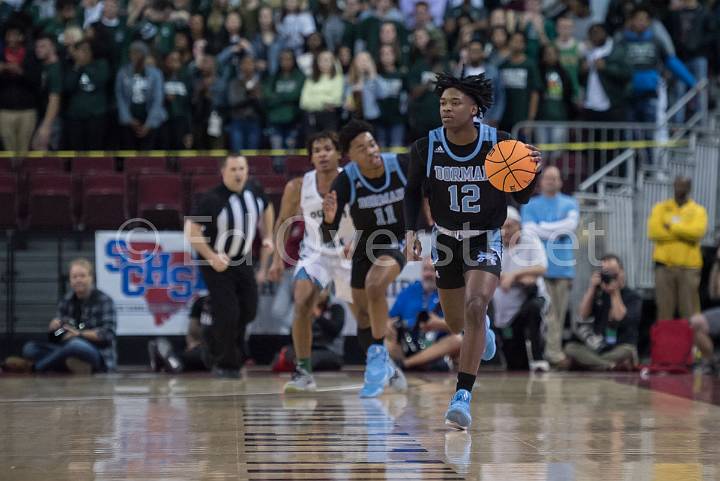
[[699, 323], [476, 308]]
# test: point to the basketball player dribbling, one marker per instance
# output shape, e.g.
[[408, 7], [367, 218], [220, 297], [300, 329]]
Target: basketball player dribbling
[[466, 244]]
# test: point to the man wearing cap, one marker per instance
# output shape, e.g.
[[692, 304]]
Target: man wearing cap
[[522, 298]]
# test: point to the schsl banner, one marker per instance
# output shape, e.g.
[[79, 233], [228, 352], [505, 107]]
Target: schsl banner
[[153, 281]]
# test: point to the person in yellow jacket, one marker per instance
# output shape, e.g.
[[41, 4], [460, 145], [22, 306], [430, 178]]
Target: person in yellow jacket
[[676, 226]]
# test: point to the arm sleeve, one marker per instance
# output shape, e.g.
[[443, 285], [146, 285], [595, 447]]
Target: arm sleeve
[[691, 229], [156, 112], [523, 197], [566, 226], [678, 68], [413, 189], [341, 185], [123, 105]]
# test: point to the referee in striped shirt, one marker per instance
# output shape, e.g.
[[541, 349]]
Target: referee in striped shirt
[[222, 228]]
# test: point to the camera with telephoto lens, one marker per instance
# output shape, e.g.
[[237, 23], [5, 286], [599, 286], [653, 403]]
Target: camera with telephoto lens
[[607, 277], [412, 340]]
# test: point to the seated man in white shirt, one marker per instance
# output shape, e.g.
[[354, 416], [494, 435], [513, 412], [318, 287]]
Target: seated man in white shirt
[[521, 300]]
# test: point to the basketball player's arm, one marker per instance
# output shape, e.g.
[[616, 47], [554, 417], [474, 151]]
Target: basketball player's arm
[[338, 197], [413, 200], [266, 251], [289, 207]]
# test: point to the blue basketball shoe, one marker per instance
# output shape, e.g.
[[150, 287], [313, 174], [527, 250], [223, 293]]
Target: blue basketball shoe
[[378, 371], [489, 352], [458, 413]]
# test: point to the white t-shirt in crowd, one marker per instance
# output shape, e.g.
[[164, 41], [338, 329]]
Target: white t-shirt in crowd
[[528, 252]]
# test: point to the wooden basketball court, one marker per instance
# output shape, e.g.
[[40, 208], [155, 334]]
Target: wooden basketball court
[[550, 427]]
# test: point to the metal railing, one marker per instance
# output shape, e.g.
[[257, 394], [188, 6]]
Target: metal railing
[[588, 152]]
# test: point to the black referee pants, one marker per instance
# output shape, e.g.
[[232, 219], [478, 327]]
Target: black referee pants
[[234, 303]]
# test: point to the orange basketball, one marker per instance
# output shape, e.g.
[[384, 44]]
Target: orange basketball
[[509, 166]]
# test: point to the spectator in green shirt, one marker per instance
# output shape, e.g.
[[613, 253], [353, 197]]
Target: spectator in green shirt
[[555, 96], [281, 94], [570, 51], [522, 82], [66, 15], [47, 134], [156, 29], [177, 130], [85, 92]]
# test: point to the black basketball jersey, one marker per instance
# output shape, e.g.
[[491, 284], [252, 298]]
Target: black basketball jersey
[[454, 180], [376, 205]]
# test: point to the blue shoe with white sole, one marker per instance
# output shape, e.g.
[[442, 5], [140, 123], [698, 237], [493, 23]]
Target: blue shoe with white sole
[[378, 371], [458, 413]]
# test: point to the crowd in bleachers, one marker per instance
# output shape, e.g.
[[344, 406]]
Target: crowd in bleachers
[[142, 74]]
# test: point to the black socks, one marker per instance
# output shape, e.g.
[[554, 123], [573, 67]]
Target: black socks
[[364, 338], [465, 381]]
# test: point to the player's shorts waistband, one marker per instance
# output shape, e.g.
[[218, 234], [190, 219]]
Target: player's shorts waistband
[[462, 234]]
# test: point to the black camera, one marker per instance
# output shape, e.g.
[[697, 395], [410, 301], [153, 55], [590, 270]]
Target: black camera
[[57, 335], [607, 277]]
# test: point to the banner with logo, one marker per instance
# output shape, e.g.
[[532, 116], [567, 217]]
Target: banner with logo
[[153, 281]]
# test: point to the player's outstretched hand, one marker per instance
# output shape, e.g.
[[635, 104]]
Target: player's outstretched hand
[[330, 206], [413, 247], [536, 156]]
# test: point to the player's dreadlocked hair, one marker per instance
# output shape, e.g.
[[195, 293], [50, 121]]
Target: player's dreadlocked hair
[[477, 87]]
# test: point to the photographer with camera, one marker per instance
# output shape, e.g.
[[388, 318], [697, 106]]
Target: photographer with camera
[[81, 338], [418, 337], [607, 326]]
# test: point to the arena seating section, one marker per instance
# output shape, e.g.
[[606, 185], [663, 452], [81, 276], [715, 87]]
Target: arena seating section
[[85, 193]]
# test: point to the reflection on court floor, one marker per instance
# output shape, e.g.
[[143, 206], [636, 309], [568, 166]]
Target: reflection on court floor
[[543, 428]]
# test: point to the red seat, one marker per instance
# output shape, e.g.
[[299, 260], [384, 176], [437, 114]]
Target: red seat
[[199, 165], [43, 164], [260, 165], [297, 165], [145, 165], [8, 199], [82, 165], [50, 201], [271, 183], [103, 201], [6, 165], [160, 199], [199, 184]]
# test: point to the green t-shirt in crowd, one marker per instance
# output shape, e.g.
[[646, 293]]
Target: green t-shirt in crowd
[[86, 90], [161, 36], [520, 80], [552, 105], [51, 83], [570, 60], [178, 95], [281, 95]]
